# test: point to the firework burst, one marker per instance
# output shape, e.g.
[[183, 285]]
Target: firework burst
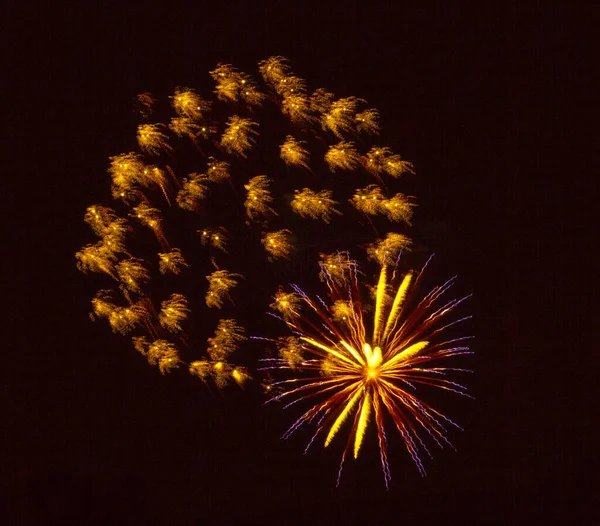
[[362, 371], [264, 175], [226, 195]]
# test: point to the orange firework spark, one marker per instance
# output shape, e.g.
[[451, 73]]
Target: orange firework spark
[[362, 374]]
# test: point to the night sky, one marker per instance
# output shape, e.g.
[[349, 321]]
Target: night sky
[[486, 103]]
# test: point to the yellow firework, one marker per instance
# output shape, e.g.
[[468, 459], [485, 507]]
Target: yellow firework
[[248, 177], [362, 372]]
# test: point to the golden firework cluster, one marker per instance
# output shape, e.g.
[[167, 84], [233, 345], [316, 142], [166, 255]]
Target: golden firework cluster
[[314, 140]]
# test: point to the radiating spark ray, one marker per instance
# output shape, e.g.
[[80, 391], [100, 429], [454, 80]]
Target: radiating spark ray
[[363, 419], [382, 440], [379, 303], [400, 296], [353, 352], [406, 354], [328, 350], [342, 417]]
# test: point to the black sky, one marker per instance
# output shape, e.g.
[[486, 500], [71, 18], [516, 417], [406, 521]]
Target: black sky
[[489, 103]]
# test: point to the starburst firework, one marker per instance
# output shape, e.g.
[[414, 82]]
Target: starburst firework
[[362, 371]]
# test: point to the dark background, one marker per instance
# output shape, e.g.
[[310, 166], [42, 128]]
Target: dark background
[[493, 106]]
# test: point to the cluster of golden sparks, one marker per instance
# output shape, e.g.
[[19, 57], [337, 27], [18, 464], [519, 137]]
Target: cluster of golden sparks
[[358, 374]]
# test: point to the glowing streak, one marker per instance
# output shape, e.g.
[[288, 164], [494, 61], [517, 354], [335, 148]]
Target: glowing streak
[[379, 304], [373, 356], [398, 301], [164, 192], [328, 350], [363, 421], [368, 353], [381, 439], [406, 354], [343, 415], [377, 357], [353, 352]]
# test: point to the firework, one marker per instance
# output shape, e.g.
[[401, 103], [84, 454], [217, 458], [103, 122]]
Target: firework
[[270, 176], [362, 371], [261, 173]]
